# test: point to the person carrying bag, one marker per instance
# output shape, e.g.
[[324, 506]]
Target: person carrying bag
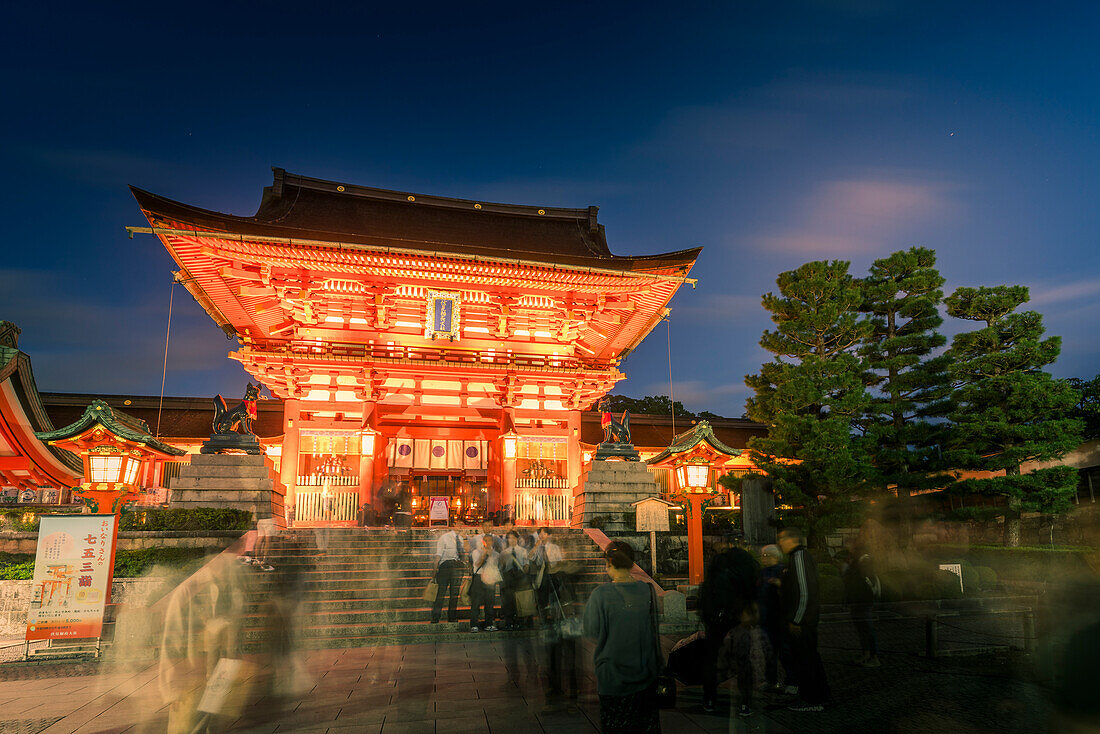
[[483, 586], [621, 617], [449, 564]]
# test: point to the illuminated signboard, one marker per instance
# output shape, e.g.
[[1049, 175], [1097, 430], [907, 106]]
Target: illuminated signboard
[[71, 576], [442, 318]]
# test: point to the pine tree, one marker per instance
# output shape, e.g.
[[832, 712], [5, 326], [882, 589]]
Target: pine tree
[[1008, 410], [1088, 404], [904, 423], [811, 393]]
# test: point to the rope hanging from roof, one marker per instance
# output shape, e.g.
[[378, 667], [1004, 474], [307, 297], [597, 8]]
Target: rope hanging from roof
[[167, 335], [671, 397]]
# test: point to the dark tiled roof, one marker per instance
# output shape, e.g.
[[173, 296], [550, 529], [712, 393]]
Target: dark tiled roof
[[300, 207], [655, 431], [701, 432], [117, 422], [189, 418], [181, 418]]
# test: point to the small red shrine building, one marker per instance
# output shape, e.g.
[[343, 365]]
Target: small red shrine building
[[443, 346]]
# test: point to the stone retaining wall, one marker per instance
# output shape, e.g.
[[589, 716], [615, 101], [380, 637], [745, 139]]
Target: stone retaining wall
[[27, 542], [672, 551], [15, 600]]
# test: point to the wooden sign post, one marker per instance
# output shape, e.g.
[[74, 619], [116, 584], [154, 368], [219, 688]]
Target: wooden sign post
[[651, 516]]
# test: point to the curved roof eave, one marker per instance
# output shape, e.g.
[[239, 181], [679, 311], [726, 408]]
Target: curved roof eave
[[566, 245]]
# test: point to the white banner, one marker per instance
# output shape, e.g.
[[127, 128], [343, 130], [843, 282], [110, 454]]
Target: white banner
[[438, 454], [473, 455], [71, 576], [403, 452]]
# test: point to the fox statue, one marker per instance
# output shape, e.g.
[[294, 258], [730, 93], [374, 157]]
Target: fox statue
[[239, 419], [614, 431]]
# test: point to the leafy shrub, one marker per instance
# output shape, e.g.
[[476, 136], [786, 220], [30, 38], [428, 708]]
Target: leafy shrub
[[831, 589], [895, 585], [17, 571], [131, 563], [199, 518], [972, 582], [20, 519], [947, 585], [987, 577], [128, 563]]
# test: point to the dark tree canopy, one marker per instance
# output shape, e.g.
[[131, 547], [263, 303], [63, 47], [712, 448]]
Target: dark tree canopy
[[649, 405], [1088, 404], [1009, 411], [812, 393], [910, 386]]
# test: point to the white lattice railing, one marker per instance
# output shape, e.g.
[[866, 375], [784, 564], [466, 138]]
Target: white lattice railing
[[546, 483], [309, 506], [542, 507], [314, 480]]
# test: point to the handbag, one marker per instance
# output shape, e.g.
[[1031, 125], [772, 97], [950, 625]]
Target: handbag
[[431, 591], [665, 687], [570, 627], [464, 593], [526, 603]]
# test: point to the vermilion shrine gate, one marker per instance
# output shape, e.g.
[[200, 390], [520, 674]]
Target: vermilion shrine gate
[[444, 344]]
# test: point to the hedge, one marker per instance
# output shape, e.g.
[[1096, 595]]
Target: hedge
[[128, 563], [199, 518], [1024, 563]]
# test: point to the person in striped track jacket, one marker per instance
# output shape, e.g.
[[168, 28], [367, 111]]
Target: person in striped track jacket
[[801, 603]]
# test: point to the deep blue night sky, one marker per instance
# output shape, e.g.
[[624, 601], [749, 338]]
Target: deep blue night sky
[[769, 132]]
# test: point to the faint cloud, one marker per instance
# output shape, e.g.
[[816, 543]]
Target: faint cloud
[[697, 395], [772, 117], [862, 215], [79, 340], [103, 168], [715, 306], [1050, 294], [721, 130]]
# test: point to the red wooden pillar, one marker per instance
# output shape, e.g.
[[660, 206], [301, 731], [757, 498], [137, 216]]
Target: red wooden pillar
[[288, 460], [695, 538]]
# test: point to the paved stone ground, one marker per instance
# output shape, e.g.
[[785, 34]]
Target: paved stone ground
[[453, 688]]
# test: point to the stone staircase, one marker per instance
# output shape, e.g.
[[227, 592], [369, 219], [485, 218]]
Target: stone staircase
[[358, 587]]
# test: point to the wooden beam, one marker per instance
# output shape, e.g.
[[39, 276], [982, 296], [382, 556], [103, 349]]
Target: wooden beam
[[474, 260]]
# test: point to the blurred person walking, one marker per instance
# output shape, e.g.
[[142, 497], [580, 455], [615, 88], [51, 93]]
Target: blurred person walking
[[513, 571], [861, 590], [486, 531], [450, 566], [483, 584], [801, 605], [774, 621], [727, 593], [546, 558], [620, 616]]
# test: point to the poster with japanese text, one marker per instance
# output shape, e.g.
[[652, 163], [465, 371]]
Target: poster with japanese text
[[71, 573]]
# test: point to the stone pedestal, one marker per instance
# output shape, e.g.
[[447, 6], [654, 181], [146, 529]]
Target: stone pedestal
[[237, 481], [608, 490]]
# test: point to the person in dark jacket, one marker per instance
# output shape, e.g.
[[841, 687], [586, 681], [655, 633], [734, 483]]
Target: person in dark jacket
[[728, 588], [801, 602], [773, 621], [861, 590]]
